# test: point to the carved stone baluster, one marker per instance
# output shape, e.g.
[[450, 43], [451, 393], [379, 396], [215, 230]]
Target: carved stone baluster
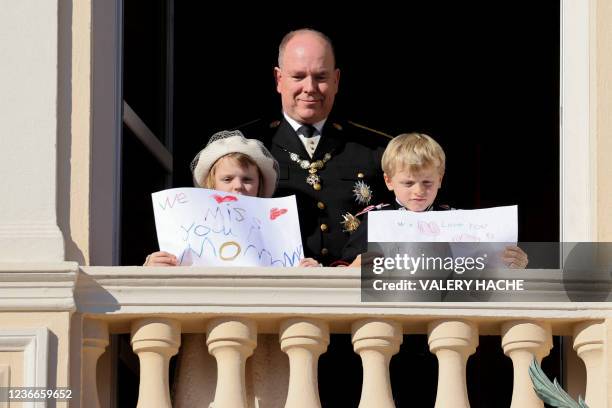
[[589, 344], [95, 340], [231, 341], [523, 341], [376, 341], [303, 340], [155, 340], [452, 341]]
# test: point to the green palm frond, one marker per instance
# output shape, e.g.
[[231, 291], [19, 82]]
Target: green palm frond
[[551, 392]]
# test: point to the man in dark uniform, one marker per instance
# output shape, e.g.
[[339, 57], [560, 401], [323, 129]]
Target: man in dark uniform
[[332, 167]]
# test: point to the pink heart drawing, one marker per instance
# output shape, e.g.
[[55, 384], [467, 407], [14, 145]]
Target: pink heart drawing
[[220, 199], [277, 212], [429, 228]]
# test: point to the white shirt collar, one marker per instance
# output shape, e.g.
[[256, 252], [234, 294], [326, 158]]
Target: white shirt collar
[[404, 208], [296, 125]]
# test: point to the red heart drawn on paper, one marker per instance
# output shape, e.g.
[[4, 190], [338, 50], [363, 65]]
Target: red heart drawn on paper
[[220, 199], [277, 212]]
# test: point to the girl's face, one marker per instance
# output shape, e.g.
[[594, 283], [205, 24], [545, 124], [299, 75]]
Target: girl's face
[[231, 177]]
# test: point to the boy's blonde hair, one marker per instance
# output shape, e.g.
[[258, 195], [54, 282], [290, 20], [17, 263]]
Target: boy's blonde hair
[[413, 152], [243, 160]]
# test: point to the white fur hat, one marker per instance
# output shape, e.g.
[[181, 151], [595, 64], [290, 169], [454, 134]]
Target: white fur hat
[[226, 142]]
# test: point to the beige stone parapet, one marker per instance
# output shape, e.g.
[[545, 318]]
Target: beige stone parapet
[[231, 341], [452, 341], [522, 341], [155, 340], [376, 341], [589, 344], [304, 307], [304, 340]]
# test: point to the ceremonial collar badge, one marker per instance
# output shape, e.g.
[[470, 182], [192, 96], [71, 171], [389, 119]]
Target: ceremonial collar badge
[[313, 167]]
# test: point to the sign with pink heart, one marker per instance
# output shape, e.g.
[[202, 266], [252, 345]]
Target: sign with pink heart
[[497, 224], [492, 228]]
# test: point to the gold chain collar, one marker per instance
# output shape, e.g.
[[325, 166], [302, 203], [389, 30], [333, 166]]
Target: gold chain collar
[[312, 167]]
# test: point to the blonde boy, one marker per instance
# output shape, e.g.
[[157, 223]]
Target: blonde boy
[[413, 166]]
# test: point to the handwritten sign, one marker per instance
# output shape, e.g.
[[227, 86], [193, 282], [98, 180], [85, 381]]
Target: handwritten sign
[[491, 228], [213, 228], [498, 224]]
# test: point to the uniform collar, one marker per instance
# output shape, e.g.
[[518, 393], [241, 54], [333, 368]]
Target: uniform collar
[[286, 138], [295, 125]]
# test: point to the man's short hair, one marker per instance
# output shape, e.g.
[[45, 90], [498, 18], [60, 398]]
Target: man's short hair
[[413, 152], [291, 34]]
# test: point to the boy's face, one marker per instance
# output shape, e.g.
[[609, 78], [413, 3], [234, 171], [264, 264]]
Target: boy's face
[[231, 177], [415, 190]]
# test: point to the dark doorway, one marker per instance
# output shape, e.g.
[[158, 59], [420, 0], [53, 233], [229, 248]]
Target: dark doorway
[[482, 79]]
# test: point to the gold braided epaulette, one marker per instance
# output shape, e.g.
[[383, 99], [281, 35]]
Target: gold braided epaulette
[[378, 132]]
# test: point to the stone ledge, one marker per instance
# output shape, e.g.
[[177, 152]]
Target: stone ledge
[[325, 291], [38, 286]]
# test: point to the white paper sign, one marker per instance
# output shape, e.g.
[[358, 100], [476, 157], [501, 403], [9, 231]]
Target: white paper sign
[[213, 228], [497, 224], [493, 228]]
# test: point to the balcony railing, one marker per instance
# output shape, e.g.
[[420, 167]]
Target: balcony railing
[[302, 306]]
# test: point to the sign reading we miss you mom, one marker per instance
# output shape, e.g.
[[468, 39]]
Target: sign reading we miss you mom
[[213, 228]]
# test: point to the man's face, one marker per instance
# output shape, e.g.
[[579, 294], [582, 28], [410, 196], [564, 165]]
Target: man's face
[[307, 79], [415, 190]]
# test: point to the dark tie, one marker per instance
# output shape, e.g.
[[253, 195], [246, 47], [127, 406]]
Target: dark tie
[[307, 130]]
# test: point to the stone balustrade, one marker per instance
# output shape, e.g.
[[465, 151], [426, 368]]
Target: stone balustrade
[[232, 340], [302, 309]]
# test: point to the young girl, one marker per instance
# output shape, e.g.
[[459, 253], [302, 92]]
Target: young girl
[[232, 164]]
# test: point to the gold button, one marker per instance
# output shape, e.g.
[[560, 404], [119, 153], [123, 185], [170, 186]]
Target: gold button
[[360, 175], [317, 186], [323, 227], [321, 205], [324, 251]]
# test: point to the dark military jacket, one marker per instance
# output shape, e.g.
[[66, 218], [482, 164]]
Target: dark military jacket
[[355, 156], [358, 242]]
